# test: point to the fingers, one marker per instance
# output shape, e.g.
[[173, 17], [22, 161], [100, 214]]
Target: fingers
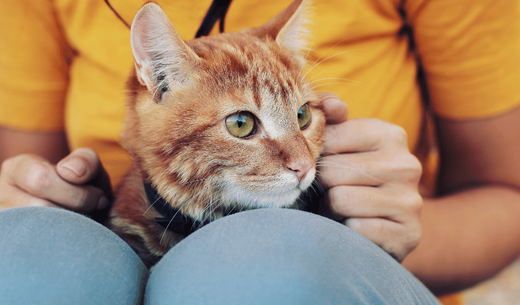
[[17, 197], [360, 135], [395, 238], [373, 168], [335, 110], [83, 166], [30, 180], [371, 180], [387, 216], [80, 166], [396, 204]]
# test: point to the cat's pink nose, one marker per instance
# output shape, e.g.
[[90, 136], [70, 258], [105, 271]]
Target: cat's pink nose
[[300, 168]]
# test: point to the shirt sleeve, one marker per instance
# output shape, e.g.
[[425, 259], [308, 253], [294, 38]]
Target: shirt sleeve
[[34, 59], [470, 51]]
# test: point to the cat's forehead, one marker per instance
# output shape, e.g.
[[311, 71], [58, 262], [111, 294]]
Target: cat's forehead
[[257, 69]]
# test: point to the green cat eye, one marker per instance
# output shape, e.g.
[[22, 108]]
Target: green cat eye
[[241, 124], [304, 116]]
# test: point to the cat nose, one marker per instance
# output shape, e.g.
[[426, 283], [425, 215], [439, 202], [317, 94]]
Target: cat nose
[[300, 168]]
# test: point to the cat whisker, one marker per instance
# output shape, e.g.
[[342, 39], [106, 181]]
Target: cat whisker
[[220, 183], [337, 164], [316, 185], [316, 75], [316, 188], [182, 206], [204, 179], [318, 61], [204, 189], [197, 180], [340, 83], [233, 207], [314, 37], [339, 78], [151, 205], [158, 198], [211, 207], [309, 49], [361, 171]]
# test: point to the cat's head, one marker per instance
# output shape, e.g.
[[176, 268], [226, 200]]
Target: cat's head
[[223, 120]]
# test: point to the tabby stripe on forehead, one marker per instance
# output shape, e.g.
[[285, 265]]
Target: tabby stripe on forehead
[[290, 84], [256, 94], [236, 66], [284, 92], [269, 86], [278, 90]]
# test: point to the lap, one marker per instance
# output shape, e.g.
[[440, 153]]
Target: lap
[[274, 256], [53, 256], [271, 256]]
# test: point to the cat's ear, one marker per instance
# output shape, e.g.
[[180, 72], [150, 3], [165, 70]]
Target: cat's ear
[[160, 54], [288, 28]]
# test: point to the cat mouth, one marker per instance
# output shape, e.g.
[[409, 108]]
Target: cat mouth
[[307, 181]]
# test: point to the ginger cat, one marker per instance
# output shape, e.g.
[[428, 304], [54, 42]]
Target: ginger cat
[[214, 125]]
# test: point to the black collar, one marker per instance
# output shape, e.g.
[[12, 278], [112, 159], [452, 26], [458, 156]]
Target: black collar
[[172, 219]]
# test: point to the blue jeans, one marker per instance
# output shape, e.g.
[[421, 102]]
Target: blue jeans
[[270, 256]]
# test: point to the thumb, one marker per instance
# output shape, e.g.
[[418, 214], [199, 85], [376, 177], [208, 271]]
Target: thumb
[[334, 108], [79, 167], [83, 166]]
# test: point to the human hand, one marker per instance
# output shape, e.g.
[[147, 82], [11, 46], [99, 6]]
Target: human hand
[[371, 179], [78, 182]]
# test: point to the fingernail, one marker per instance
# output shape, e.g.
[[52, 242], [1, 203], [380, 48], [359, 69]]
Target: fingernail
[[103, 203], [75, 165], [335, 102], [332, 98]]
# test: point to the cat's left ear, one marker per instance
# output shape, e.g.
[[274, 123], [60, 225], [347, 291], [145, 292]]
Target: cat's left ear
[[288, 28], [160, 54]]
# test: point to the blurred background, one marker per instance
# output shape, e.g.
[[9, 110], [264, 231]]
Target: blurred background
[[503, 289]]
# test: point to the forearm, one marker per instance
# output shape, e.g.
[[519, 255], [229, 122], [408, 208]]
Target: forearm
[[49, 145], [467, 237]]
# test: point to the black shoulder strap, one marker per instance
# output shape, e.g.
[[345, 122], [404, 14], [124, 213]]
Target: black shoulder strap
[[216, 11]]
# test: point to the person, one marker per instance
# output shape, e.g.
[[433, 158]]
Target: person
[[62, 85]]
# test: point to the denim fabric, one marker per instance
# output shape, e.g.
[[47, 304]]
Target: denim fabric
[[271, 256], [281, 256], [53, 256]]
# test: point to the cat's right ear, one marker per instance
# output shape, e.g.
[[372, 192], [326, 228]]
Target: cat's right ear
[[160, 55], [290, 28]]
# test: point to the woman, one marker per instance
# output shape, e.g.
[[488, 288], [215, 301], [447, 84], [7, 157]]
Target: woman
[[64, 79]]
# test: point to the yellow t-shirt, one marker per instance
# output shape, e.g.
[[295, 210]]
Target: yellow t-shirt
[[63, 63]]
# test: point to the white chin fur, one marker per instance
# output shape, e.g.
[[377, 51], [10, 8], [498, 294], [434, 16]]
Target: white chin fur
[[282, 195], [251, 199]]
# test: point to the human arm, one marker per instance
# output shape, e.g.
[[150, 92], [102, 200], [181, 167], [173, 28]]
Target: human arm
[[49, 145], [34, 81], [29, 176], [470, 54], [472, 230]]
